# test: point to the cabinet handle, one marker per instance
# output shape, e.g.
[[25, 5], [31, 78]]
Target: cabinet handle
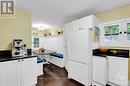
[[22, 60], [81, 28], [124, 32], [120, 32]]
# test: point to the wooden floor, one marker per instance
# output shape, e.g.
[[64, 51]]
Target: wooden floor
[[55, 76]]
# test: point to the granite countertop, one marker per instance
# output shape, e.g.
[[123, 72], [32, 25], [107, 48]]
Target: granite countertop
[[9, 58], [112, 52]]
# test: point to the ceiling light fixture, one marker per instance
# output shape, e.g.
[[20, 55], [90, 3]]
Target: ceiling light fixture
[[40, 26]]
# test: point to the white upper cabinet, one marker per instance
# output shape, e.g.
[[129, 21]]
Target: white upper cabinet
[[111, 32], [126, 24], [115, 34]]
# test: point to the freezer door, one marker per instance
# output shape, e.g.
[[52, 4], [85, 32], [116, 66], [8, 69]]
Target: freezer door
[[80, 45], [79, 72]]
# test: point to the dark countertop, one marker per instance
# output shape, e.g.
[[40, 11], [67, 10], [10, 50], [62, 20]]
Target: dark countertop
[[9, 58], [105, 55], [101, 55], [112, 52]]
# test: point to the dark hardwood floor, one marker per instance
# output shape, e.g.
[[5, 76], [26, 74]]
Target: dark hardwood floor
[[55, 76]]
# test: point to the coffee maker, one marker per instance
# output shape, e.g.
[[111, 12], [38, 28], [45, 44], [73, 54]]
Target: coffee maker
[[19, 48]]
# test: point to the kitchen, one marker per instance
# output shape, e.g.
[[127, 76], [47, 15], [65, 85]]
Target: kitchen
[[58, 48]]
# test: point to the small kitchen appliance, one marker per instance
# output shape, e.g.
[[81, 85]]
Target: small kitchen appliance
[[19, 48]]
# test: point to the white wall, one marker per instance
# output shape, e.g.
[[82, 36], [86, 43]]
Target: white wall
[[53, 43]]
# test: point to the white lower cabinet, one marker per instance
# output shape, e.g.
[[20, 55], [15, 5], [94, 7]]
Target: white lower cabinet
[[118, 70], [29, 71], [100, 70], [9, 73], [18, 72]]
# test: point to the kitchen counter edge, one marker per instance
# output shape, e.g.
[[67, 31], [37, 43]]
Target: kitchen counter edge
[[4, 59]]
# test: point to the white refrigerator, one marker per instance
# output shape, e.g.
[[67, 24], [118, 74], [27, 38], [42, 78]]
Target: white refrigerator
[[80, 55], [78, 36]]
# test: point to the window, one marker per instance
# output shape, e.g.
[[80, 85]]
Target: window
[[36, 42]]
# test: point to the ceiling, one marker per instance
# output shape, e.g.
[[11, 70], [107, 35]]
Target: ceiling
[[59, 12]]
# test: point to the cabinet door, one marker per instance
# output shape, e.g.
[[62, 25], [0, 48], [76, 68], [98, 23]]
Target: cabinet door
[[111, 34], [29, 71], [100, 70], [9, 73], [79, 72], [127, 30], [118, 70]]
